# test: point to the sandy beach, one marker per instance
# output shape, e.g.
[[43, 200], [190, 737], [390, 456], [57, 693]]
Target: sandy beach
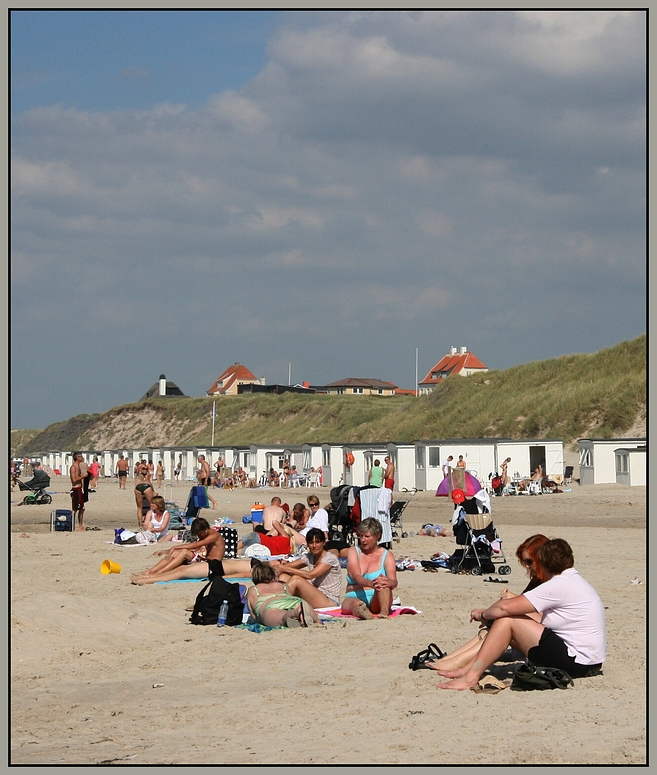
[[106, 672]]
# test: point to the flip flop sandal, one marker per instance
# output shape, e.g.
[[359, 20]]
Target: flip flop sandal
[[490, 685], [495, 581], [430, 654]]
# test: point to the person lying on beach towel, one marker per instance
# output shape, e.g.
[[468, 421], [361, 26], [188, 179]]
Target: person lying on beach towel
[[209, 546], [197, 570]]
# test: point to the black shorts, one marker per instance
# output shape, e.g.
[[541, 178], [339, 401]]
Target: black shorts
[[339, 545], [123, 473], [553, 652]]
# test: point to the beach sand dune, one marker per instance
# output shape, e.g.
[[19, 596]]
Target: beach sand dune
[[103, 671]]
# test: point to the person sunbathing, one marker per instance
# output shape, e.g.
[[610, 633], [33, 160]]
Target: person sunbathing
[[239, 568], [571, 633], [277, 544], [271, 603], [371, 574], [316, 576], [209, 546], [527, 554], [434, 531]]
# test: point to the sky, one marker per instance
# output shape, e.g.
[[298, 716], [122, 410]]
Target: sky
[[318, 194]]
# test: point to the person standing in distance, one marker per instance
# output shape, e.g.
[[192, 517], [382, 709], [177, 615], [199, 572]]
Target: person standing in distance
[[389, 473], [77, 489]]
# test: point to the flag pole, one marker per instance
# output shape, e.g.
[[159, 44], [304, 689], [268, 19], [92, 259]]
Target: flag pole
[[214, 411], [416, 354]]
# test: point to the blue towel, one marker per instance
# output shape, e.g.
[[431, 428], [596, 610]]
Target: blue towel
[[179, 581]]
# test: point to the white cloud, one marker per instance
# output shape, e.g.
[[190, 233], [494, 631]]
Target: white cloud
[[394, 178]]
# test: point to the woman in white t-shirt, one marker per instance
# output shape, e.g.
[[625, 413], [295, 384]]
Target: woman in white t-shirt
[[571, 634], [317, 576]]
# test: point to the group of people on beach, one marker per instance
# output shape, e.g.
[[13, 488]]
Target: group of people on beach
[[556, 621], [314, 577]]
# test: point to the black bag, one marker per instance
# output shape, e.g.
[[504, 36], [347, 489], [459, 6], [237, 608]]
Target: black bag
[[209, 600], [528, 677]]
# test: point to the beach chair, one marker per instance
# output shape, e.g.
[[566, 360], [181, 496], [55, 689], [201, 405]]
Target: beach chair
[[62, 520], [197, 500], [568, 474]]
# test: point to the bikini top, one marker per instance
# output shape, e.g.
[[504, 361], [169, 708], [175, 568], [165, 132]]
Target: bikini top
[[373, 573]]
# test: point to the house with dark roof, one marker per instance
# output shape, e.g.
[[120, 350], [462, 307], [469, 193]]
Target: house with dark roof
[[227, 382], [463, 363], [358, 386], [163, 388]]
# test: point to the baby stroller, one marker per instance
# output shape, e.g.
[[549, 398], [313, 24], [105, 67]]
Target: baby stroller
[[342, 524], [37, 491], [396, 511], [481, 546]]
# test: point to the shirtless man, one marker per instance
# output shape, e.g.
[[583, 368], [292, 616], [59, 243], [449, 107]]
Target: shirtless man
[[77, 489], [208, 546], [205, 478], [389, 473], [273, 513], [122, 470]]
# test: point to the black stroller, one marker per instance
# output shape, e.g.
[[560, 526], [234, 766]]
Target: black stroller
[[37, 489], [480, 545], [342, 525], [396, 511]]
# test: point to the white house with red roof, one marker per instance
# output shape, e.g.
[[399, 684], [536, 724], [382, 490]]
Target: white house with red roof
[[455, 362], [227, 382]]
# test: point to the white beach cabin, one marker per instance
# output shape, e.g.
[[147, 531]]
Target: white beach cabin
[[597, 458]]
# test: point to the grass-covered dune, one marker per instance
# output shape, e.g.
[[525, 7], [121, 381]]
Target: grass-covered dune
[[599, 395]]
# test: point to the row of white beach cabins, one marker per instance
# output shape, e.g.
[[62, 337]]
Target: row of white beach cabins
[[418, 464]]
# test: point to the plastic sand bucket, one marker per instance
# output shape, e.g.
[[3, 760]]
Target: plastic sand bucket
[[108, 566]]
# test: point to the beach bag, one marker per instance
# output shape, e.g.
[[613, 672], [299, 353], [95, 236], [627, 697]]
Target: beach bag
[[528, 677], [146, 537], [209, 600]]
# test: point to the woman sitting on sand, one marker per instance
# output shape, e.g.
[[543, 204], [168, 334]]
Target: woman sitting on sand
[[527, 554], [157, 519], [371, 574], [271, 603], [316, 576], [571, 635]]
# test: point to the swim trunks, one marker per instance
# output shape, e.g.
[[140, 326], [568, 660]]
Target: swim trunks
[[77, 498]]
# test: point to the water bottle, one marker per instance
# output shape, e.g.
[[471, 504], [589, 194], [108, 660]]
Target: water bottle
[[223, 614]]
